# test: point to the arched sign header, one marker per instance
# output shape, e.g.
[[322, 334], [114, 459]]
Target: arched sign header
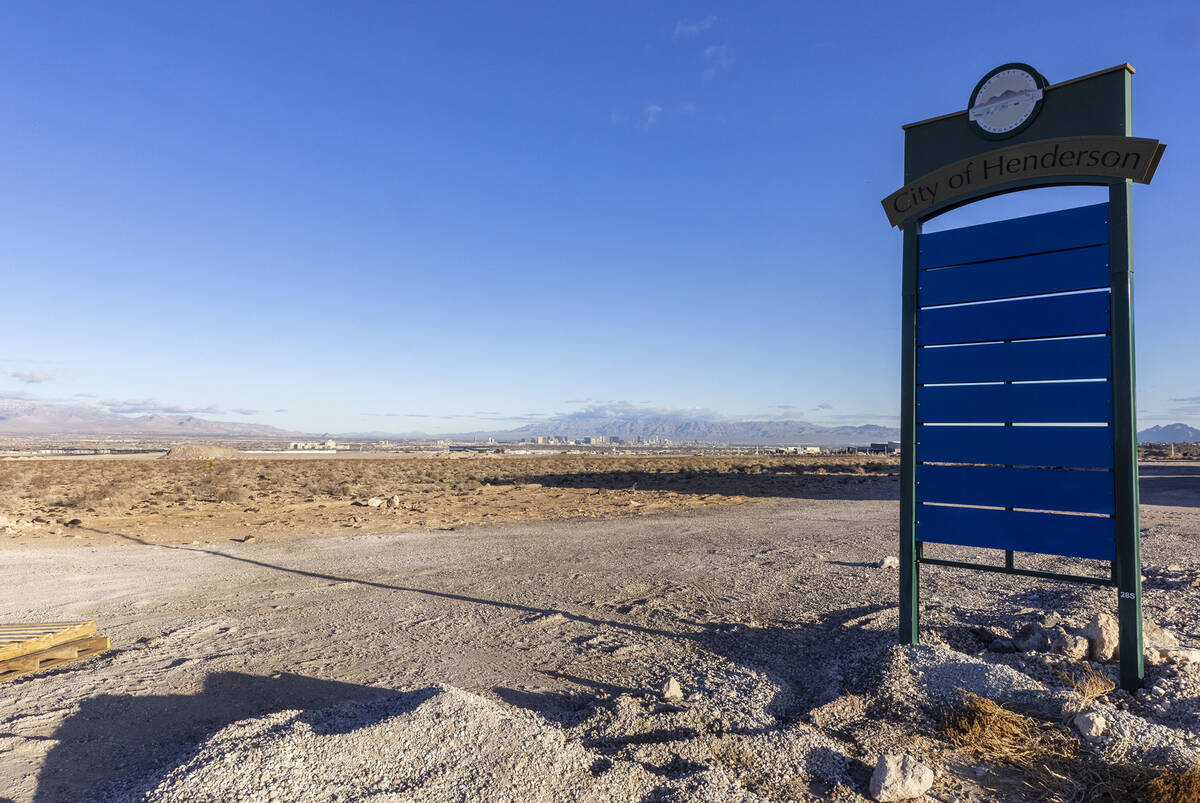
[[1052, 134]]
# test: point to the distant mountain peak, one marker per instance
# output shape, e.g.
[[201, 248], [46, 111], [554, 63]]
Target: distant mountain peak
[[1169, 433]]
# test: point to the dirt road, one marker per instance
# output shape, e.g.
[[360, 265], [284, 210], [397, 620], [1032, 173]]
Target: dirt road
[[560, 617]]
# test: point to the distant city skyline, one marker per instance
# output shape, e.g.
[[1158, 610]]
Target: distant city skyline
[[451, 218]]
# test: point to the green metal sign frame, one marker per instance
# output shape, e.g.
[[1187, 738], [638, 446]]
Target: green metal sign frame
[[1095, 106]]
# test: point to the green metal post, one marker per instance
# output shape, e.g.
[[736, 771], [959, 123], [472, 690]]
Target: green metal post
[[1125, 473], [909, 565]]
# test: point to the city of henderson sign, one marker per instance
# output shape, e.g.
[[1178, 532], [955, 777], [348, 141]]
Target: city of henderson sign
[[1099, 156]]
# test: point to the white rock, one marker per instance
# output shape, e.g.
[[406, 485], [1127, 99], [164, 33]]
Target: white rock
[[890, 562], [1179, 655], [1103, 636], [375, 501], [899, 777], [1090, 725], [394, 501], [671, 691], [1156, 636], [1072, 646]]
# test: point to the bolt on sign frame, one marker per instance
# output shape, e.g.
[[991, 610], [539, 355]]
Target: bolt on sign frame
[[1017, 405]]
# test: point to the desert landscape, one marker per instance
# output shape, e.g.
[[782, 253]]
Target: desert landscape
[[567, 627]]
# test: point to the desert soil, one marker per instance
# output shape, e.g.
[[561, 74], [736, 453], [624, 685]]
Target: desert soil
[[526, 660], [109, 501]]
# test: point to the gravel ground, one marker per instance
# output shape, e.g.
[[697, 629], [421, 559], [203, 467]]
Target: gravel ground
[[528, 661]]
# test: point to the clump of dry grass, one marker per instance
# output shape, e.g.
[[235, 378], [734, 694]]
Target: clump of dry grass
[[1051, 763], [986, 729], [1088, 684], [1175, 787]]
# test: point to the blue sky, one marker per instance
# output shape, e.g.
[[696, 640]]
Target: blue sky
[[453, 216]]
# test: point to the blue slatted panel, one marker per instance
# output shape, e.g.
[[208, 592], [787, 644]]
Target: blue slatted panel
[[1081, 314], [1054, 231], [1056, 272], [1045, 533], [1070, 447], [1072, 358], [1036, 403], [1031, 488]]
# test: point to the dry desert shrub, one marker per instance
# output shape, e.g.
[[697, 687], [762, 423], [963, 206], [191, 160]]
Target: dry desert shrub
[[1175, 787], [1087, 685], [987, 729], [1052, 764]]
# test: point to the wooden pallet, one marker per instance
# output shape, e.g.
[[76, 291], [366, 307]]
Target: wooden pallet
[[28, 648]]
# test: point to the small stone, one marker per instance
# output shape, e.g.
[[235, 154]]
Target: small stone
[[1103, 636], [1090, 725], [1002, 645], [394, 501], [985, 634], [1180, 655], [1157, 636], [671, 691], [1052, 619], [890, 562], [1071, 646], [899, 777], [375, 501], [1031, 638]]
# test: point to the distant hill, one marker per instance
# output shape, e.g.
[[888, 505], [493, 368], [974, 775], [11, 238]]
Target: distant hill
[[1170, 433], [684, 430], [25, 418], [34, 418], [629, 424]]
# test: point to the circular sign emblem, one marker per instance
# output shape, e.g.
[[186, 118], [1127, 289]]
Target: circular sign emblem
[[1006, 101]]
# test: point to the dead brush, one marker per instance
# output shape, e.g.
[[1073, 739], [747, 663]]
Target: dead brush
[[1087, 685], [1054, 766], [986, 729]]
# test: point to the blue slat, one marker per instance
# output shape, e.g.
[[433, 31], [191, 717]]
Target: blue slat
[[1071, 358], [1036, 403], [1053, 316], [1056, 272], [1045, 533], [1069, 447], [1031, 488], [1053, 231]]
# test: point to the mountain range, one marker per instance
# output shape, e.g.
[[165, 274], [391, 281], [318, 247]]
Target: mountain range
[[1169, 433], [20, 417], [35, 418], [684, 429]]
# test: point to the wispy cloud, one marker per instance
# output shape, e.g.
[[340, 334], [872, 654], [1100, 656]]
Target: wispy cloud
[[651, 115], [32, 377], [687, 108], [824, 406], [245, 411], [690, 27], [858, 418], [719, 58], [281, 410], [1183, 407], [152, 406]]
